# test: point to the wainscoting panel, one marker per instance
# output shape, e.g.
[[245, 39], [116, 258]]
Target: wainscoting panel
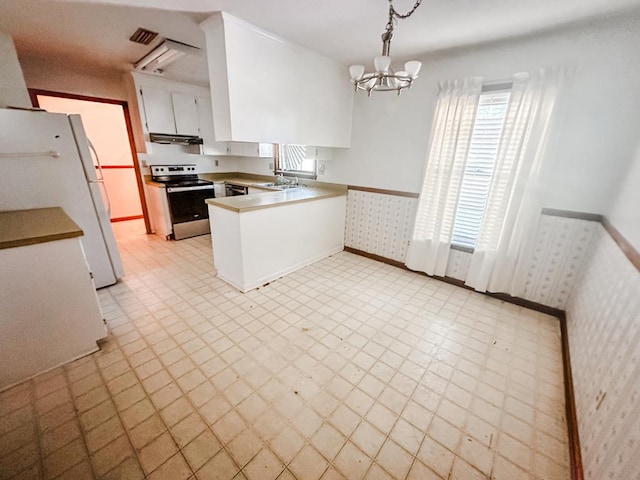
[[458, 264], [379, 223], [561, 245], [603, 322]]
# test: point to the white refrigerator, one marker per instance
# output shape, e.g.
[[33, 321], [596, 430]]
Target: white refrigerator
[[45, 161]]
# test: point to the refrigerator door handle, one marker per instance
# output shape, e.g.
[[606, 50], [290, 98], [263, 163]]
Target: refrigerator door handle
[[100, 179], [97, 158], [106, 195]]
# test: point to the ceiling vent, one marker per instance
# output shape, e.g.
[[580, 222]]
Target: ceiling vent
[[143, 36], [164, 54]]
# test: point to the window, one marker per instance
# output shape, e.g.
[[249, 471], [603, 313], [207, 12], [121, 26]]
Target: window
[[295, 160], [483, 149]]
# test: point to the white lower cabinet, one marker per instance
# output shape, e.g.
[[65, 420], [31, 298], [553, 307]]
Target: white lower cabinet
[[49, 310], [159, 210], [251, 248]]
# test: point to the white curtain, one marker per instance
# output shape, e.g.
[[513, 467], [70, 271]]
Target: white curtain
[[513, 207], [455, 113]]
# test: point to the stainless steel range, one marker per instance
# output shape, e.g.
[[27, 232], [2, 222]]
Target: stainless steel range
[[186, 195]]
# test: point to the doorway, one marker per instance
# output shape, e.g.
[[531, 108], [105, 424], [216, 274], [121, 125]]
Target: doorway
[[108, 126]]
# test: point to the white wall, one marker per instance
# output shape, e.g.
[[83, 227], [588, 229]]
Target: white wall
[[591, 152], [13, 90], [50, 74], [625, 213]]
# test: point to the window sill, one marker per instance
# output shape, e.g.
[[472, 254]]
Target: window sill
[[288, 173], [462, 248]]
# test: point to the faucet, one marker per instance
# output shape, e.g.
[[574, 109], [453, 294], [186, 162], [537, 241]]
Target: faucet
[[282, 180]]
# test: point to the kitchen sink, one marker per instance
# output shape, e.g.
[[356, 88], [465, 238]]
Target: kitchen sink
[[266, 184], [286, 187]]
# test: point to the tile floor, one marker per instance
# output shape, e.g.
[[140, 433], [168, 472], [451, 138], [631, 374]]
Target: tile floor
[[348, 368]]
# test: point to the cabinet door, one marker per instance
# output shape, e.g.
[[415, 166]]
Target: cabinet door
[[158, 110], [185, 112], [237, 149], [247, 149], [265, 150], [205, 115]]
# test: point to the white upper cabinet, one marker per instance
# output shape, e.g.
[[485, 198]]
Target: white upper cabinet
[[158, 110], [170, 112], [171, 107], [266, 150], [205, 117], [268, 90], [185, 111]]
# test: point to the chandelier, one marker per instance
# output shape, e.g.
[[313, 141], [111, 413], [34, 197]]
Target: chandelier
[[384, 79]]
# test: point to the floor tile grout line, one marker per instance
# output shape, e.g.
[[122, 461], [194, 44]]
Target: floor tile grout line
[[41, 456], [127, 431], [196, 409], [77, 418], [110, 398]]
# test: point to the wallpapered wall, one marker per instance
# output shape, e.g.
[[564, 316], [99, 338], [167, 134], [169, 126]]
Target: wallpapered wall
[[379, 224], [561, 243], [603, 322]]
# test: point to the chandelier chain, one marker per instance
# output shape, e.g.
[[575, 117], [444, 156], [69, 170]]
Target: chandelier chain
[[395, 13]]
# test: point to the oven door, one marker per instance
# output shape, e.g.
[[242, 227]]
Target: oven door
[[187, 204]]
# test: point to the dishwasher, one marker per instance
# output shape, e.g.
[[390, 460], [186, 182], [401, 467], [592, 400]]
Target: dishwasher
[[233, 190]]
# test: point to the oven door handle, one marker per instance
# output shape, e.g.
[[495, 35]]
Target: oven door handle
[[188, 189]]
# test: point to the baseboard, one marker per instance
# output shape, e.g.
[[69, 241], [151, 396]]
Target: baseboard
[[521, 302], [575, 455], [125, 219]]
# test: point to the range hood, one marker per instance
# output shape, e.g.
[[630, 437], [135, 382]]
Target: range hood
[[174, 139]]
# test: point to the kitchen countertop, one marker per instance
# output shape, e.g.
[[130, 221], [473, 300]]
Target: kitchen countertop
[[246, 203], [19, 228], [247, 182], [150, 182]]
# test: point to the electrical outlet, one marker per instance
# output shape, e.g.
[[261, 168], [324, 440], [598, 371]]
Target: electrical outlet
[[217, 162], [321, 168], [144, 164]]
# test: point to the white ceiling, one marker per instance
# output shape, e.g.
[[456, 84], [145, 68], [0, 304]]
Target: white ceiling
[[96, 32]]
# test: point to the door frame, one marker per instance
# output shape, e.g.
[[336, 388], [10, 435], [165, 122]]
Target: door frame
[[34, 92]]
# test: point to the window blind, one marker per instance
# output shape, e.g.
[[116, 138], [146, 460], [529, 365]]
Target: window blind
[[296, 159], [292, 156], [483, 149]]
